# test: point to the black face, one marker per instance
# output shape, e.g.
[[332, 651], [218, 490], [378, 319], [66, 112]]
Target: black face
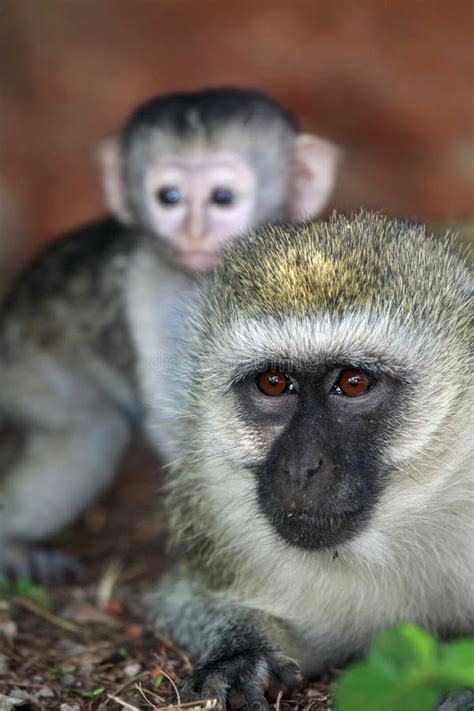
[[322, 476]]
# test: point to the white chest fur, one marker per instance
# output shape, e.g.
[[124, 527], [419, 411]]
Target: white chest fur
[[156, 297], [413, 562]]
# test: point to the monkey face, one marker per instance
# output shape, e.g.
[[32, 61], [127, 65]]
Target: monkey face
[[321, 476], [197, 204], [330, 373]]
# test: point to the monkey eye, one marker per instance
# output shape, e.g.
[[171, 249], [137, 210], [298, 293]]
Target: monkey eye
[[274, 382], [353, 382], [169, 196], [222, 196]]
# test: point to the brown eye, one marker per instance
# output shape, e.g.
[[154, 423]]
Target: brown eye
[[273, 382], [353, 382]]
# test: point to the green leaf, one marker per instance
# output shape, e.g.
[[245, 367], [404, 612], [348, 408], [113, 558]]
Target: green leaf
[[406, 669], [24, 587], [360, 688], [456, 664], [403, 647], [363, 687], [159, 680], [96, 692]]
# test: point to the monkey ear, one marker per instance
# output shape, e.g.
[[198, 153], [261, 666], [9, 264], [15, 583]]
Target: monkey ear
[[313, 175], [110, 160]]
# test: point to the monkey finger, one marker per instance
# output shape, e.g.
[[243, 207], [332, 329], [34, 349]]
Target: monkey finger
[[43, 566], [274, 689], [52, 566], [15, 568], [16, 563], [216, 687], [285, 672], [236, 699], [462, 701], [212, 687], [254, 695]]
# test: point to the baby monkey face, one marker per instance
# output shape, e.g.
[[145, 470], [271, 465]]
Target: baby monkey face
[[196, 204]]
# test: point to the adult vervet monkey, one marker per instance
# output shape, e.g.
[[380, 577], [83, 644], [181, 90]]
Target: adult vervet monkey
[[324, 485]]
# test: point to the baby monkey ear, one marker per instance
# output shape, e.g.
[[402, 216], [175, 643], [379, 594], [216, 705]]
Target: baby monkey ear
[[111, 167], [313, 175]]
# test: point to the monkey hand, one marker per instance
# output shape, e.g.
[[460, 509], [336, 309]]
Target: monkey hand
[[462, 701], [42, 565], [243, 678], [240, 648]]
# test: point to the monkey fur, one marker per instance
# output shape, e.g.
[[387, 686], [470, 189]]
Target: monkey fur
[[88, 323], [305, 521]]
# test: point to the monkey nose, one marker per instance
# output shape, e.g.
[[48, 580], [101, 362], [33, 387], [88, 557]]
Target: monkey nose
[[195, 236], [301, 474], [196, 230]]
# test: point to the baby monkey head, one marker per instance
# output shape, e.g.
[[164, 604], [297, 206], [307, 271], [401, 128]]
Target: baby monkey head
[[331, 359], [196, 169]]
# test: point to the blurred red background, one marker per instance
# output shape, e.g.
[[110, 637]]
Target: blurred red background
[[390, 80]]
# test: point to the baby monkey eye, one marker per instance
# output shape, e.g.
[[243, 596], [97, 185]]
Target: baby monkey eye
[[222, 196], [169, 196], [353, 383], [274, 382]]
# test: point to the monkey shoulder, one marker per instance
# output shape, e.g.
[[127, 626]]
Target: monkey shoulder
[[72, 264], [198, 553], [70, 295]]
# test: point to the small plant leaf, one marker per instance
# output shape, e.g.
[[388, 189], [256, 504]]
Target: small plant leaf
[[362, 687], [456, 664], [24, 587], [406, 669], [402, 647], [122, 652], [95, 692]]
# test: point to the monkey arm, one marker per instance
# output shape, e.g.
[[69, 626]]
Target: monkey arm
[[238, 647]]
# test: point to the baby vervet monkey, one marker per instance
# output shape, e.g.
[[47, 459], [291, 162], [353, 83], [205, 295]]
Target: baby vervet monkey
[[88, 321], [324, 489]]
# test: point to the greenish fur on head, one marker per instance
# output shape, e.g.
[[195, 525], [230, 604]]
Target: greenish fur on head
[[367, 261]]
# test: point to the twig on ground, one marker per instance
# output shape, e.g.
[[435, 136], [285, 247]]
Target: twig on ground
[[278, 701], [122, 702], [108, 581], [46, 615], [175, 688], [127, 684], [191, 705], [145, 692]]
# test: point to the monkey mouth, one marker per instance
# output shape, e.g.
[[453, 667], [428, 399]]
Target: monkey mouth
[[196, 259], [313, 530]]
